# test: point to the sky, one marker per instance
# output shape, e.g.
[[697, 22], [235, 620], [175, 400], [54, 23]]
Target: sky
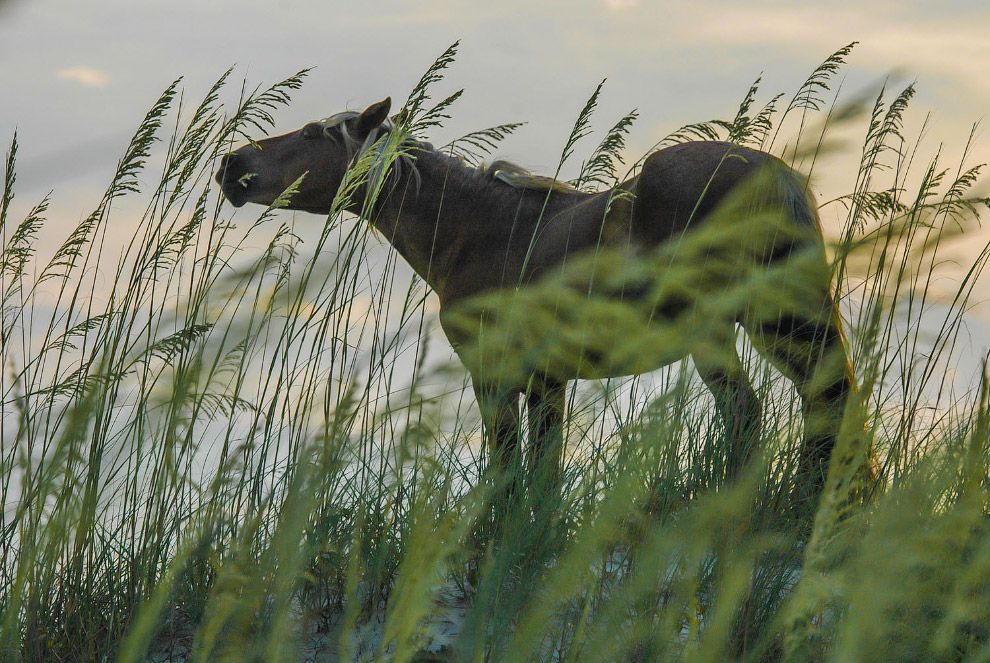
[[77, 77]]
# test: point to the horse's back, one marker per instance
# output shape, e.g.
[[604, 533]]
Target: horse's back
[[683, 184]]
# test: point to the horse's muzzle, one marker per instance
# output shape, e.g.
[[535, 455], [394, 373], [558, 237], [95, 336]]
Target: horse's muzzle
[[231, 176]]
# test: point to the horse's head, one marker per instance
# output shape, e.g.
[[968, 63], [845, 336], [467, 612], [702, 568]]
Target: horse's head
[[259, 172]]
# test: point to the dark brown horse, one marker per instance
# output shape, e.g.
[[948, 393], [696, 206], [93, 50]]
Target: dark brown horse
[[702, 222]]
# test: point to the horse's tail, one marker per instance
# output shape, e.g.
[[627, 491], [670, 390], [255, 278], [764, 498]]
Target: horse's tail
[[826, 379], [802, 208]]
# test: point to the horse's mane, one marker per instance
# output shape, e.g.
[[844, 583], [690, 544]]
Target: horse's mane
[[520, 178], [500, 170]]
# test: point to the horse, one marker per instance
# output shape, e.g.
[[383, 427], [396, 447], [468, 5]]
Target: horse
[[485, 237]]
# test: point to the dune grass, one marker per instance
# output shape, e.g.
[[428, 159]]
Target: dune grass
[[227, 443]]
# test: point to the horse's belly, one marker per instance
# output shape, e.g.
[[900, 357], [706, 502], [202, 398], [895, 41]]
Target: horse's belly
[[563, 334]]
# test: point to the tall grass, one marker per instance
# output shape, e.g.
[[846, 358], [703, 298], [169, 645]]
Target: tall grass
[[223, 442]]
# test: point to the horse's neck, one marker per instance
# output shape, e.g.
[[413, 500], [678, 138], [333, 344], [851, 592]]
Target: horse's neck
[[444, 212]]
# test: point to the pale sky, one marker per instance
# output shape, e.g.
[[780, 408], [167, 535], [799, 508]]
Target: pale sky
[[77, 77]]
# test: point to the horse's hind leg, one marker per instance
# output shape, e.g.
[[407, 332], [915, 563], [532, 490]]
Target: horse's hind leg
[[736, 401], [545, 405], [810, 352]]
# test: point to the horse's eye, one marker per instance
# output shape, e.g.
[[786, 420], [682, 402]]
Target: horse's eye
[[312, 130]]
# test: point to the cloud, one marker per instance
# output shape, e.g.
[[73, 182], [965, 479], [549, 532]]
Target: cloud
[[85, 76]]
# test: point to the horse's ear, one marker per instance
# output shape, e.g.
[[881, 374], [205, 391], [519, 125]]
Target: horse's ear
[[373, 116]]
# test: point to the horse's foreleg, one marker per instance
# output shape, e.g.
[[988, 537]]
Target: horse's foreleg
[[500, 419], [545, 406], [736, 402]]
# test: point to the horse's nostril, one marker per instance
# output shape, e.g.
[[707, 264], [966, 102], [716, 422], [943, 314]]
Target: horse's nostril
[[228, 168]]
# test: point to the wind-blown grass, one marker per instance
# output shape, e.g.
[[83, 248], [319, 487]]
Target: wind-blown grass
[[242, 447]]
